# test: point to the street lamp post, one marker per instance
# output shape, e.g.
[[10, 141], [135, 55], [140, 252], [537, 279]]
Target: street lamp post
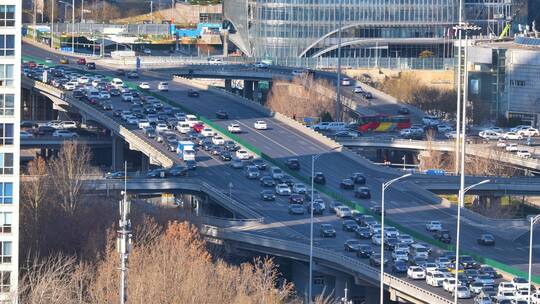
[[73, 26], [313, 159], [384, 186], [52, 24], [534, 220], [460, 204]]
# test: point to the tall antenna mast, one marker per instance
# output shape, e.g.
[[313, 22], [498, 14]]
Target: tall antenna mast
[[124, 238]]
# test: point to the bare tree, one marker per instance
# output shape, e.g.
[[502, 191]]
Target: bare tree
[[67, 172]]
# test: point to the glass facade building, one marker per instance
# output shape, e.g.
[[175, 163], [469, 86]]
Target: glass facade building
[[308, 28]]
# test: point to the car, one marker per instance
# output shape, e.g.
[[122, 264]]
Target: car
[[225, 156], [144, 86], [161, 127], [489, 271], [318, 208], [375, 260], [511, 147], [260, 125], [127, 97], [178, 171], [528, 132], [115, 175], [243, 154], [207, 132], [391, 232], [512, 136], [161, 173], [375, 229], [267, 181], [193, 93], [132, 75], [64, 134], [260, 65], [403, 111], [433, 226], [485, 279], [376, 239], [501, 143], [282, 189], [442, 262], [349, 225], [198, 127], [471, 274], [231, 146], [435, 278], [362, 192], [486, 239], [296, 198], [327, 230], [218, 140], [358, 178], [91, 65], [191, 164], [103, 95], [363, 233], [222, 115], [352, 245], [520, 283], [163, 86], [399, 255], [535, 298], [449, 284], [343, 212], [276, 173], [299, 188], [68, 125], [376, 210], [358, 89], [81, 61], [506, 286], [463, 292], [296, 209], [482, 299], [346, 81], [364, 251], [268, 195], [236, 163], [405, 239], [234, 128], [319, 178], [64, 60], [347, 184], [524, 154], [443, 235], [399, 266], [252, 172], [475, 287], [416, 273], [293, 164]]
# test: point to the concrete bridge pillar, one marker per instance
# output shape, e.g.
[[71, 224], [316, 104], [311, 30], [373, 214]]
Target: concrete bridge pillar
[[118, 157], [228, 85], [145, 162], [248, 89], [256, 91], [33, 104]]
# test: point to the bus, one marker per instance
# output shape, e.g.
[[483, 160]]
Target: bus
[[383, 123]]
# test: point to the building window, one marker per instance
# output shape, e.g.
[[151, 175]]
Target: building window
[[6, 163], [5, 257], [6, 134], [5, 222], [7, 104], [318, 280], [6, 75], [7, 45], [6, 193], [517, 83], [5, 280], [7, 15]]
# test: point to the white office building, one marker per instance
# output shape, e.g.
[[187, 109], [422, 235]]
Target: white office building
[[10, 90]]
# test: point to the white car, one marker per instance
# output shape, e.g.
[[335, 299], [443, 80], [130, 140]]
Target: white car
[[183, 127], [127, 97], [511, 148], [299, 188], [283, 189], [83, 80], [161, 127], [147, 51], [443, 129], [260, 125], [430, 120], [490, 135], [144, 123], [104, 95], [376, 239], [215, 61], [70, 86], [218, 140], [434, 226], [400, 255], [276, 173], [442, 262], [68, 125], [435, 278], [358, 89], [430, 266], [346, 81], [163, 86], [416, 273], [463, 292], [512, 135], [243, 154], [260, 65], [298, 72], [234, 128], [405, 239], [528, 132], [520, 283], [152, 117], [449, 284], [144, 86], [343, 211], [535, 298], [391, 232], [506, 286], [523, 154], [501, 144], [207, 132], [64, 134]]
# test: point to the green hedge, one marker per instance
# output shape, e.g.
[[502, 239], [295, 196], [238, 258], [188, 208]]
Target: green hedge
[[326, 190]]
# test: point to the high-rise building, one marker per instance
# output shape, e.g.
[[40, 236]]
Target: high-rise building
[[309, 28], [10, 90]]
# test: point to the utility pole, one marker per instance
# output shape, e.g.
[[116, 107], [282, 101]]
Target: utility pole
[[35, 17], [338, 87], [124, 238], [52, 24], [73, 26], [152, 11], [82, 11]]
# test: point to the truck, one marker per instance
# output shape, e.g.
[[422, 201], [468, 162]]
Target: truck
[[186, 150]]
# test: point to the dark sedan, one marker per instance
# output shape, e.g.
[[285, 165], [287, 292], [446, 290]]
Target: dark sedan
[[225, 156], [296, 199], [193, 93], [327, 230], [296, 209], [443, 236], [267, 181], [363, 233], [486, 239], [268, 195], [362, 192], [347, 184], [365, 251], [161, 173], [317, 208], [352, 245], [222, 115], [319, 178], [399, 266], [350, 225], [358, 178], [178, 171], [293, 164]]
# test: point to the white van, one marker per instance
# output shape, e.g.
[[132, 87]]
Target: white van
[[417, 250], [330, 126], [117, 83], [183, 127], [163, 86], [191, 120]]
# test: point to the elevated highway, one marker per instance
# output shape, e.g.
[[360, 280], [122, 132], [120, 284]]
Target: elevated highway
[[56, 142], [408, 204]]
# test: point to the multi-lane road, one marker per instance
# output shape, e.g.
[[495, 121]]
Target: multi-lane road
[[404, 205]]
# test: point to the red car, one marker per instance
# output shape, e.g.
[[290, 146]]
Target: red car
[[81, 61], [198, 127], [32, 64]]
